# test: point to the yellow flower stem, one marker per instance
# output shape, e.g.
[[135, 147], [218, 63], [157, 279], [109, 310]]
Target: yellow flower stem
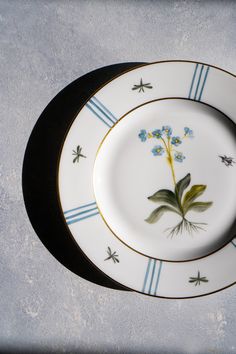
[[172, 169], [170, 159], [169, 150]]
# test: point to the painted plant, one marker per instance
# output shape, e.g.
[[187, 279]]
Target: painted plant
[[177, 201]]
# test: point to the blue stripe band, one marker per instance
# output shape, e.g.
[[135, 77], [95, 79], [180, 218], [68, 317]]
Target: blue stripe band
[[81, 207], [80, 213], [146, 275], [153, 272], [200, 96], [199, 79], [158, 278], [96, 114], [102, 111], [104, 108], [79, 219], [149, 281], [193, 79]]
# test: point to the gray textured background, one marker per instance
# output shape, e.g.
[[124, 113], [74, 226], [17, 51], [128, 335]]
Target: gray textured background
[[44, 45]]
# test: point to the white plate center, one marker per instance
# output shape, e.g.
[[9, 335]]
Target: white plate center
[[164, 179]]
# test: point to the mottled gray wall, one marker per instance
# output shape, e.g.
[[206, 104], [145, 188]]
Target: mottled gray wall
[[44, 45]]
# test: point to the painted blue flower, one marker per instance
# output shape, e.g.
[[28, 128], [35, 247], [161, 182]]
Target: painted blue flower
[[179, 157], [176, 141], [158, 150], [188, 132], [167, 130], [157, 133], [143, 135]]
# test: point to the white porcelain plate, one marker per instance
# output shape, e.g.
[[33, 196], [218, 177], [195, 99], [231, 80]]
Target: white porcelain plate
[[147, 179]]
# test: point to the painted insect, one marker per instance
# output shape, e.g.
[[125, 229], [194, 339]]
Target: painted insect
[[142, 86], [198, 280], [228, 161], [77, 154], [112, 255]]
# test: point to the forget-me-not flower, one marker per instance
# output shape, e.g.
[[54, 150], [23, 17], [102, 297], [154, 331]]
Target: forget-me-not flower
[[143, 135], [157, 133], [188, 132], [176, 141], [179, 157], [167, 130], [158, 150]]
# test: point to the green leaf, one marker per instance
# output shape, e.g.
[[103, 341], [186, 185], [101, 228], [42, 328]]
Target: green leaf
[[164, 196], [199, 206], [192, 194], [157, 213], [182, 185]]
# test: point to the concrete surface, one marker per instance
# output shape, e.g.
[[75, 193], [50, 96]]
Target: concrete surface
[[44, 45]]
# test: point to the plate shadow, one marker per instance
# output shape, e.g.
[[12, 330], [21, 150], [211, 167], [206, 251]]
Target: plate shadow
[[39, 174]]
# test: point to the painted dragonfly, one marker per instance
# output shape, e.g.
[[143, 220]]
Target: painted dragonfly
[[198, 280], [112, 255], [228, 161], [142, 86], [77, 154]]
